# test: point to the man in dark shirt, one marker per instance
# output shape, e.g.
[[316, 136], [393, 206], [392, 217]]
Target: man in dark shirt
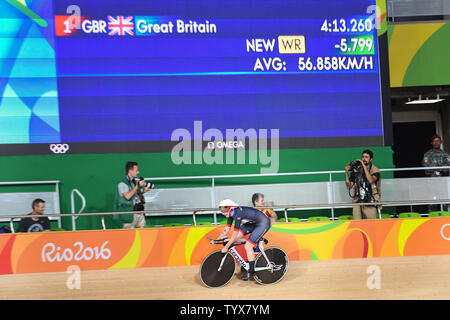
[[436, 157], [36, 223]]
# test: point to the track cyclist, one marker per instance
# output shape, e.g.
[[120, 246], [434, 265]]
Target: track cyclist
[[247, 220]]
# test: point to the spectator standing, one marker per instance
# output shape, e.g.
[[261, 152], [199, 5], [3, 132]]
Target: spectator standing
[[259, 202], [436, 157]]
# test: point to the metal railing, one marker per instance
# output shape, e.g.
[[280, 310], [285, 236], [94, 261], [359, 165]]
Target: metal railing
[[214, 210], [413, 11], [196, 211], [330, 174], [72, 205]]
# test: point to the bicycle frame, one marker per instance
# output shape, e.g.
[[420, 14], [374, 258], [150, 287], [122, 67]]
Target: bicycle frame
[[245, 264]]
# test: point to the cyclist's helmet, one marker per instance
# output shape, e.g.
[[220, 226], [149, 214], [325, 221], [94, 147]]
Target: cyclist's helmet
[[229, 204]]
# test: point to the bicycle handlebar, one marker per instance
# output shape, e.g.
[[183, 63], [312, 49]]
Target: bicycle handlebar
[[224, 241]]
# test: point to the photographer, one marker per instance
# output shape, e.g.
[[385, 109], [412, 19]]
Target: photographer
[[130, 197], [364, 181]]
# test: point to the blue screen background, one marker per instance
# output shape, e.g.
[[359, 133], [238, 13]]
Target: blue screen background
[[142, 88]]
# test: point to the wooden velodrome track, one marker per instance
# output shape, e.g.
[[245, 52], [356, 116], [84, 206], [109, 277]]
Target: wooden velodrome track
[[424, 277]]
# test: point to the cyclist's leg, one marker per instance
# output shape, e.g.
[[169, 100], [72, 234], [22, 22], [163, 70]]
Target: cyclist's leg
[[249, 246], [258, 232], [241, 237], [244, 231]]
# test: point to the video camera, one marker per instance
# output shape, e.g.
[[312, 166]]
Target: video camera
[[355, 166]]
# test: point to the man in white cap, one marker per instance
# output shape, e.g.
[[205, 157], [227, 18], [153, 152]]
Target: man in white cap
[[246, 220]]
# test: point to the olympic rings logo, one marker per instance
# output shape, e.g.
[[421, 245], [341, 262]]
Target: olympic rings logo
[[59, 147]]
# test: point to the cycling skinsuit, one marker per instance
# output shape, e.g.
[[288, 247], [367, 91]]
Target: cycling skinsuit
[[249, 220]]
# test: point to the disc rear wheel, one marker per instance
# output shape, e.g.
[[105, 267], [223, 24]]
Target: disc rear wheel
[[278, 260]]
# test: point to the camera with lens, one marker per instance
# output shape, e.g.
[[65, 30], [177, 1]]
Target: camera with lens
[[148, 185], [140, 205], [355, 166]]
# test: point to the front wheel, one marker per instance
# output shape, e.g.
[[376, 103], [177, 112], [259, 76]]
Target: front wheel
[[278, 265], [209, 273]]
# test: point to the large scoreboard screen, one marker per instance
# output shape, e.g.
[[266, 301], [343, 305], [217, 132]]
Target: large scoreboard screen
[[100, 76]]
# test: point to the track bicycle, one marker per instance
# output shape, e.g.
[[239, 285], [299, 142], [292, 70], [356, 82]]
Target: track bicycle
[[217, 268]]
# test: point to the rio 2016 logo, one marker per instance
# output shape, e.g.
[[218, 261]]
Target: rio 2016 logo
[[51, 252]]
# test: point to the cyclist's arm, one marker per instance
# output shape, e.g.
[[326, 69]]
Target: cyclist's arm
[[234, 236], [232, 239], [224, 233], [227, 228]]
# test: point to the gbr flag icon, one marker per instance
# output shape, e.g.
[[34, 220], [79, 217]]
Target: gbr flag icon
[[120, 25]]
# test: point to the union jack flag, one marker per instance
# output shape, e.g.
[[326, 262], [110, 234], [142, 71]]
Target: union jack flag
[[119, 25]]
